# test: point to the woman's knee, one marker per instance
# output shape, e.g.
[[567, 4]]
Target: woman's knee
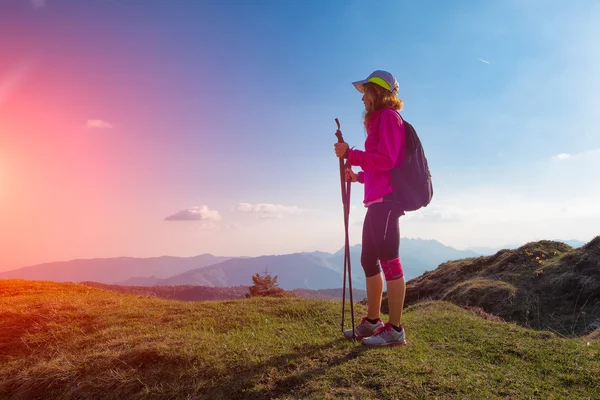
[[392, 269]]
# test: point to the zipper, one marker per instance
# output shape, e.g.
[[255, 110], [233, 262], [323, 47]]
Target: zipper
[[386, 224]]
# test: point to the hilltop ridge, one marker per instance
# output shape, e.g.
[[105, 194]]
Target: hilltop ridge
[[542, 285]]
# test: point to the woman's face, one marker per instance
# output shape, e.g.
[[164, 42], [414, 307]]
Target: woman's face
[[367, 99]]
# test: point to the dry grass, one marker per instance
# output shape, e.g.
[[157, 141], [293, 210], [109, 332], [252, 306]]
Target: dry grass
[[541, 285]]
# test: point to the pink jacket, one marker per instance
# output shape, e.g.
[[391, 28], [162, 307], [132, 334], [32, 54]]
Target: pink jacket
[[384, 149]]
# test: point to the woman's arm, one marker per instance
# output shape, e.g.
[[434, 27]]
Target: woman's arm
[[391, 139], [360, 177]]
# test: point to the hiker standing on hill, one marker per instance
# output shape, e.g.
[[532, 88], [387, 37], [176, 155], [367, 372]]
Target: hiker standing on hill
[[384, 150]]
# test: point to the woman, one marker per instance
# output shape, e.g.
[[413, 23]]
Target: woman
[[384, 150]]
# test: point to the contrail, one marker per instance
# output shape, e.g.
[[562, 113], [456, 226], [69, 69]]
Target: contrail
[[483, 61]]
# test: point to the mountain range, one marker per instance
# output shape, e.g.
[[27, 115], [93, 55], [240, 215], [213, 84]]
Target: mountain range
[[111, 270], [307, 270]]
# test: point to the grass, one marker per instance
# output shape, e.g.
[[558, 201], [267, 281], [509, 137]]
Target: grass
[[69, 341], [544, 285]]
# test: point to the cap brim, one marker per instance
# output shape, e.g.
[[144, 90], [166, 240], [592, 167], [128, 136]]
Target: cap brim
[[359, 85]]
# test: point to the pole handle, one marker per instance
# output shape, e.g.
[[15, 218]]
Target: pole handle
[[338, 133]]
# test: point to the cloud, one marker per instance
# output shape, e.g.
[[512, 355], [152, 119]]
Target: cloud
[[483, 61], [195, 214], [562, 156], [265, 211], [98, 123], [38, 3], [567, 156]]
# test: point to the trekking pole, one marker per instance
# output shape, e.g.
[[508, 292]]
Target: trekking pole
[[346, 204]]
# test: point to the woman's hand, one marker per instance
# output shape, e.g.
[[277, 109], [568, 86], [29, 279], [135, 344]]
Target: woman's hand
[[341, 149], [351, 175]]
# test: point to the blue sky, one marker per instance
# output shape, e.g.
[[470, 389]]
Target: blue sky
[[217, 104]]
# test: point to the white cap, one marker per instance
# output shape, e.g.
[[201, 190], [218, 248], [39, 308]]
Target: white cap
[[379, 77]]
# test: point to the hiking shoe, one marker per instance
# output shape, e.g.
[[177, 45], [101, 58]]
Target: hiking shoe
[[386, 336], [365, 329]]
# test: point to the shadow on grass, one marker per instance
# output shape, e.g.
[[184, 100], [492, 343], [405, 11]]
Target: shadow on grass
[[17, 328], [284, 374]]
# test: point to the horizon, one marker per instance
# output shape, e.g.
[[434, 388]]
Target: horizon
[[181, 129], [472, 249]]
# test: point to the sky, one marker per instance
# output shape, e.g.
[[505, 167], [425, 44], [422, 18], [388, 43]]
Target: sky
[[150, 128]]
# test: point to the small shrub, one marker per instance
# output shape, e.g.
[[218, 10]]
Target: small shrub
[[265, 286]]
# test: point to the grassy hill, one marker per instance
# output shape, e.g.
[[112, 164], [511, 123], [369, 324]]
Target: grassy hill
[[542, 285], [69, 341], [178, 292], [203, 293]]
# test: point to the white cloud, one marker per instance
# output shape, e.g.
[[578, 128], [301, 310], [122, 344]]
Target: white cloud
[[266, 210], [38, 3], [562, 156], [483, 61], [195, 214], [566, 156], [98, 123]]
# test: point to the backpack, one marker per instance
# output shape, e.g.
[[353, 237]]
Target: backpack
[[411, 181]]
